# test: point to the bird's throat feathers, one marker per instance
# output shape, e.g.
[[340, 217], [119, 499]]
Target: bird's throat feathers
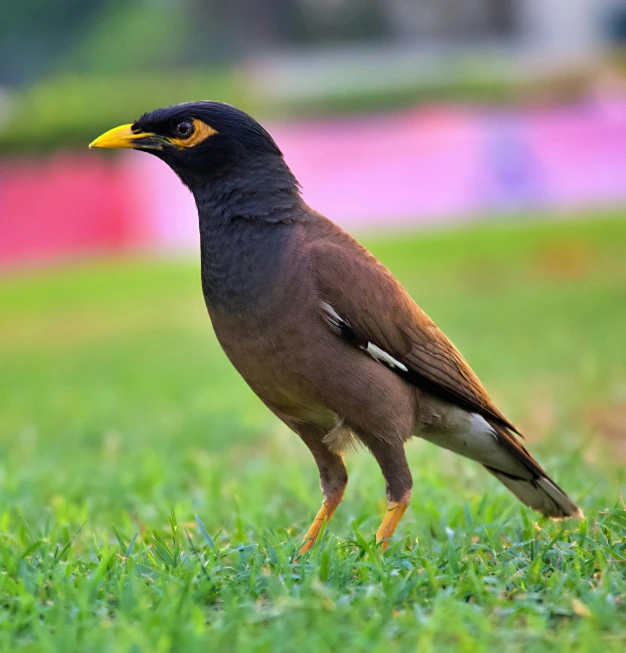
[[261, 189], [246, 220]]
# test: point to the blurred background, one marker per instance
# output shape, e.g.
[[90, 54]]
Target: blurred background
[[478, 147], [391, 112]]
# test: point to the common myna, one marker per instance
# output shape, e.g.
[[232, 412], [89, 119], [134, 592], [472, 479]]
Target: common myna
[[322, 332]]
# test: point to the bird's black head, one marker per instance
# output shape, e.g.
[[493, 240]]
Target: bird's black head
[[200, 141]]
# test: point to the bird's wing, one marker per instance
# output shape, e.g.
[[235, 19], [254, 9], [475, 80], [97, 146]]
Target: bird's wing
[[365, 305]]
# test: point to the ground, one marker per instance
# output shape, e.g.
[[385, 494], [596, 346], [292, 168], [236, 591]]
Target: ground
[[149, 502]]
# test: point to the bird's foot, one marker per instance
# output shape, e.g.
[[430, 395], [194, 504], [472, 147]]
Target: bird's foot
[[392, 517]]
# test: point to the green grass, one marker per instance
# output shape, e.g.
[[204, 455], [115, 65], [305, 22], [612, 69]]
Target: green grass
[[120, 420]]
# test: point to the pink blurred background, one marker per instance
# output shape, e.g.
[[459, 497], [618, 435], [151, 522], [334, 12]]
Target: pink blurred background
[[422, 165]]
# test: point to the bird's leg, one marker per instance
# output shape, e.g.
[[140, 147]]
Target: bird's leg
[[333, 480], [325, 513], [395, 468]]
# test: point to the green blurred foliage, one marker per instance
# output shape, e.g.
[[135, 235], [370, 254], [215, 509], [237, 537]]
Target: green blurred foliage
[[132, 36], [34, 34], [39, 38]]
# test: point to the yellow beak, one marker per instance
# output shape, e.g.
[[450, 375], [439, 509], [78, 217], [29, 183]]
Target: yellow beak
[[125, 137]]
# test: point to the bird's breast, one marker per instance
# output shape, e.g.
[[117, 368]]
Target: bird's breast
[[243, 264], [270, 346]]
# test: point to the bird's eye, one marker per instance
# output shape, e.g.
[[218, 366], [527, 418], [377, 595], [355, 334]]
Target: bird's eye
[[184, 129]]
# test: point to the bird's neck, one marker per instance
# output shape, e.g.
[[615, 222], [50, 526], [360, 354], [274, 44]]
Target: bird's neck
[[247, 220]]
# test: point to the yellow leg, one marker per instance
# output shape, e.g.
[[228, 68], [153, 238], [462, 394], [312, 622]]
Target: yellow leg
[[325, 513], [392, 517]]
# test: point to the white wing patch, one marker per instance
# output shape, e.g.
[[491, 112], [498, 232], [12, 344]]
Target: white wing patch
[[383, 357], [332, 314], [378, 354]]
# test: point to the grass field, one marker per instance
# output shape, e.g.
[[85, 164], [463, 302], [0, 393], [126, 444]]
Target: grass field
[[149, 502]]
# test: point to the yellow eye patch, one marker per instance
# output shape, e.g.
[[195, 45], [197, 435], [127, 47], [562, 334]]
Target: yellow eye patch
[[201, 131]]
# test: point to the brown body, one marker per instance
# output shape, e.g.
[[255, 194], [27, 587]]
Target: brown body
[[321, 331], [273, 352]]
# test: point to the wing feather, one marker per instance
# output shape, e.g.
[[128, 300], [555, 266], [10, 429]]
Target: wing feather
[[378, 310]]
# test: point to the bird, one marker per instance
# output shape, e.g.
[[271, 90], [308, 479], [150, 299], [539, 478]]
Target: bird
[[320, 330]]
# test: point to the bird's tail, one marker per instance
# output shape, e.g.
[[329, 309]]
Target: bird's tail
[[500, 452], [528, 481]]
